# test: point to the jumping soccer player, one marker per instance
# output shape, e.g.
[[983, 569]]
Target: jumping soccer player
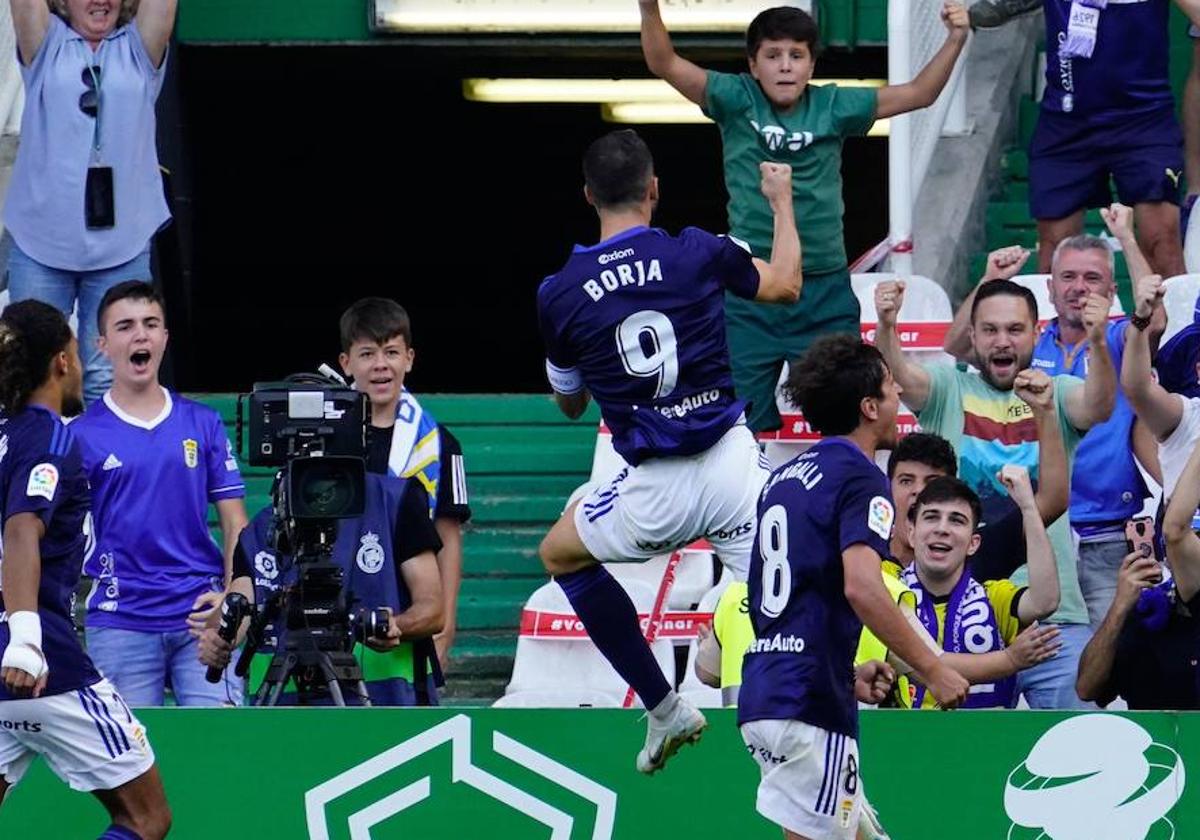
[[53, 702], [824, 521], [637, 321]]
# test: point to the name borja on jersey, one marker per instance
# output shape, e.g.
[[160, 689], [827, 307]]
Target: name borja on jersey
[[636, 273]]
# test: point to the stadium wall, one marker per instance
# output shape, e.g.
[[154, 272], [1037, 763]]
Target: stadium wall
[[568, 775]]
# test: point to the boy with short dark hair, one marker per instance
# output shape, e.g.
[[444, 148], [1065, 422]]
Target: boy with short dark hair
[[773, 114]]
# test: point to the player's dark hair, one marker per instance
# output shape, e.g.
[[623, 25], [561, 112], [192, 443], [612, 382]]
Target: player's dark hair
[[32, 333], [138, 290], [782, 23], [374, 319], [934, 451], [618, 168], [947, 488], [832, 378], [995, 288]]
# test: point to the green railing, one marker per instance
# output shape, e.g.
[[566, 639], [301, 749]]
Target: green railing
[[569, 775]]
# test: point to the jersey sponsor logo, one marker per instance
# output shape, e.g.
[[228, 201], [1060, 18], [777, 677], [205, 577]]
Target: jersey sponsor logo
[[1096, 777], [20, 726], [370, 554], [613, 256], [191, 453], [43, 481], [778, 643], [776, 137], [880, 517], [636, 273], [265, 565], [690, 404], [112, 462]]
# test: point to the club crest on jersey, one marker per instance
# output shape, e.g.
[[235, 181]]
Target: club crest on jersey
[[370, 554], [265, 565], [880, 516], [191, 453], [43, 481]]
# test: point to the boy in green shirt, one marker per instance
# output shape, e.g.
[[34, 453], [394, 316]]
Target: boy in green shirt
[[772, 113]]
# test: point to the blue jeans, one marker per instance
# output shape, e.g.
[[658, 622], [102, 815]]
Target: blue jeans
[[1099, 564], [1051, 685], [28, 278], [141, 664]]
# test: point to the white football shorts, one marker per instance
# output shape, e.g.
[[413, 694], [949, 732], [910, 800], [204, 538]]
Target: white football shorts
[[666, 503], [89, 737], [810, 781]]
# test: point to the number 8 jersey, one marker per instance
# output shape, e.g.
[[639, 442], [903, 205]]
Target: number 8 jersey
[[639, 321], [801, 663]]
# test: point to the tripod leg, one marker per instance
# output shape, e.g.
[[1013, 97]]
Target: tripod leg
[[364, 696]]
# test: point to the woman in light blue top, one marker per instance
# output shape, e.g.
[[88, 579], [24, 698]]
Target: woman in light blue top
[[86, 194]]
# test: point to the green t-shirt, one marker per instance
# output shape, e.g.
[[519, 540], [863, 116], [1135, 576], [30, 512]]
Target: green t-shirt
[[809, 138], [990, 428]]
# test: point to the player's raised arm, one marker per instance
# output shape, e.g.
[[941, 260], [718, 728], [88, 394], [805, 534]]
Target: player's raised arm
[[23, 668], [681, 74], [781, 278], [868, 596]]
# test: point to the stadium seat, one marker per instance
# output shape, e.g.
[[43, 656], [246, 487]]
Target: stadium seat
[[559, 699], [567, 661], [690, 686], [924, 299], [1180, 301]]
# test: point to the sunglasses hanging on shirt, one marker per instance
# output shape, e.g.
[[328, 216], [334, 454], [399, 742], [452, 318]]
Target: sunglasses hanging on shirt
[[99, 205]]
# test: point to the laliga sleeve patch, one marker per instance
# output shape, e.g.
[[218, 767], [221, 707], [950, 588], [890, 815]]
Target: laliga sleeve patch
[[880, 517], [43, 481]]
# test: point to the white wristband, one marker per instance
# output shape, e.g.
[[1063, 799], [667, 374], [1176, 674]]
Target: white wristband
[[25, 628], [24, 650]]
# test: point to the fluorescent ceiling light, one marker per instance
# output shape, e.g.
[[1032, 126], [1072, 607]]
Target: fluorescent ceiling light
[[595, 90], [681, 112], [563, 15]]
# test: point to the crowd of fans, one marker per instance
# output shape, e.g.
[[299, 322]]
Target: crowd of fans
[[1016, 549]]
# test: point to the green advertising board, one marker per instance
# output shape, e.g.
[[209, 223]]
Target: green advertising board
[[387, 774]]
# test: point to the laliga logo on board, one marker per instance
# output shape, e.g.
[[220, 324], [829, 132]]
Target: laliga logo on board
[[1095, 777]]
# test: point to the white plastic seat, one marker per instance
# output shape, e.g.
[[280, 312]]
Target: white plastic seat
[[575, 664], [924, 299], [560, 698], [693, 576], [1180, 301]]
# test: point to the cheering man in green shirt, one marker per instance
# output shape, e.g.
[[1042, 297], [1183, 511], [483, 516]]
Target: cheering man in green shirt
[[772, 113]]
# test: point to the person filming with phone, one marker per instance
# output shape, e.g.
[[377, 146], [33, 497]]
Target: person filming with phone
[[1146, 647]]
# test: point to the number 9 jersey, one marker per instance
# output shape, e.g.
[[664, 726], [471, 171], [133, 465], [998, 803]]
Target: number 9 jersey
[[639, 321], [801, 663]]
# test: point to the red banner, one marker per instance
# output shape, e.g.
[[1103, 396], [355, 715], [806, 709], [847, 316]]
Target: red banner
[[914, 335], [567, 626]]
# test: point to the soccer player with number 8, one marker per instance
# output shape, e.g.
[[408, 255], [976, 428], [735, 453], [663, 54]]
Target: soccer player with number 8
[[637, 321]]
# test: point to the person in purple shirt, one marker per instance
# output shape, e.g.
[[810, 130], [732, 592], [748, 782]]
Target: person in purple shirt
[[53, 702], [86, 194], [824, 522], [637, 321], [155, 461]]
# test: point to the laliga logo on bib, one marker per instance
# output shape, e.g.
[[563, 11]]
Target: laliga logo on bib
[[191, 453], [1095, 777], [265, 565], [370, 554]]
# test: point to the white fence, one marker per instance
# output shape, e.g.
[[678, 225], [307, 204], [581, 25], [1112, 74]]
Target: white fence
[[915, 33]]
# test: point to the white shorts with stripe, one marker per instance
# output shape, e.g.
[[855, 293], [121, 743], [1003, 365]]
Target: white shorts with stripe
[[666, 503], [810, 783], [89, 737]]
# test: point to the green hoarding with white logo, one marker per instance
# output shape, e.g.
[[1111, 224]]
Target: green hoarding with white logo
[[568, 775]]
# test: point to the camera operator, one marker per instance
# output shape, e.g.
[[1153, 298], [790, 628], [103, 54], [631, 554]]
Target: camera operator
[[388, 556]]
